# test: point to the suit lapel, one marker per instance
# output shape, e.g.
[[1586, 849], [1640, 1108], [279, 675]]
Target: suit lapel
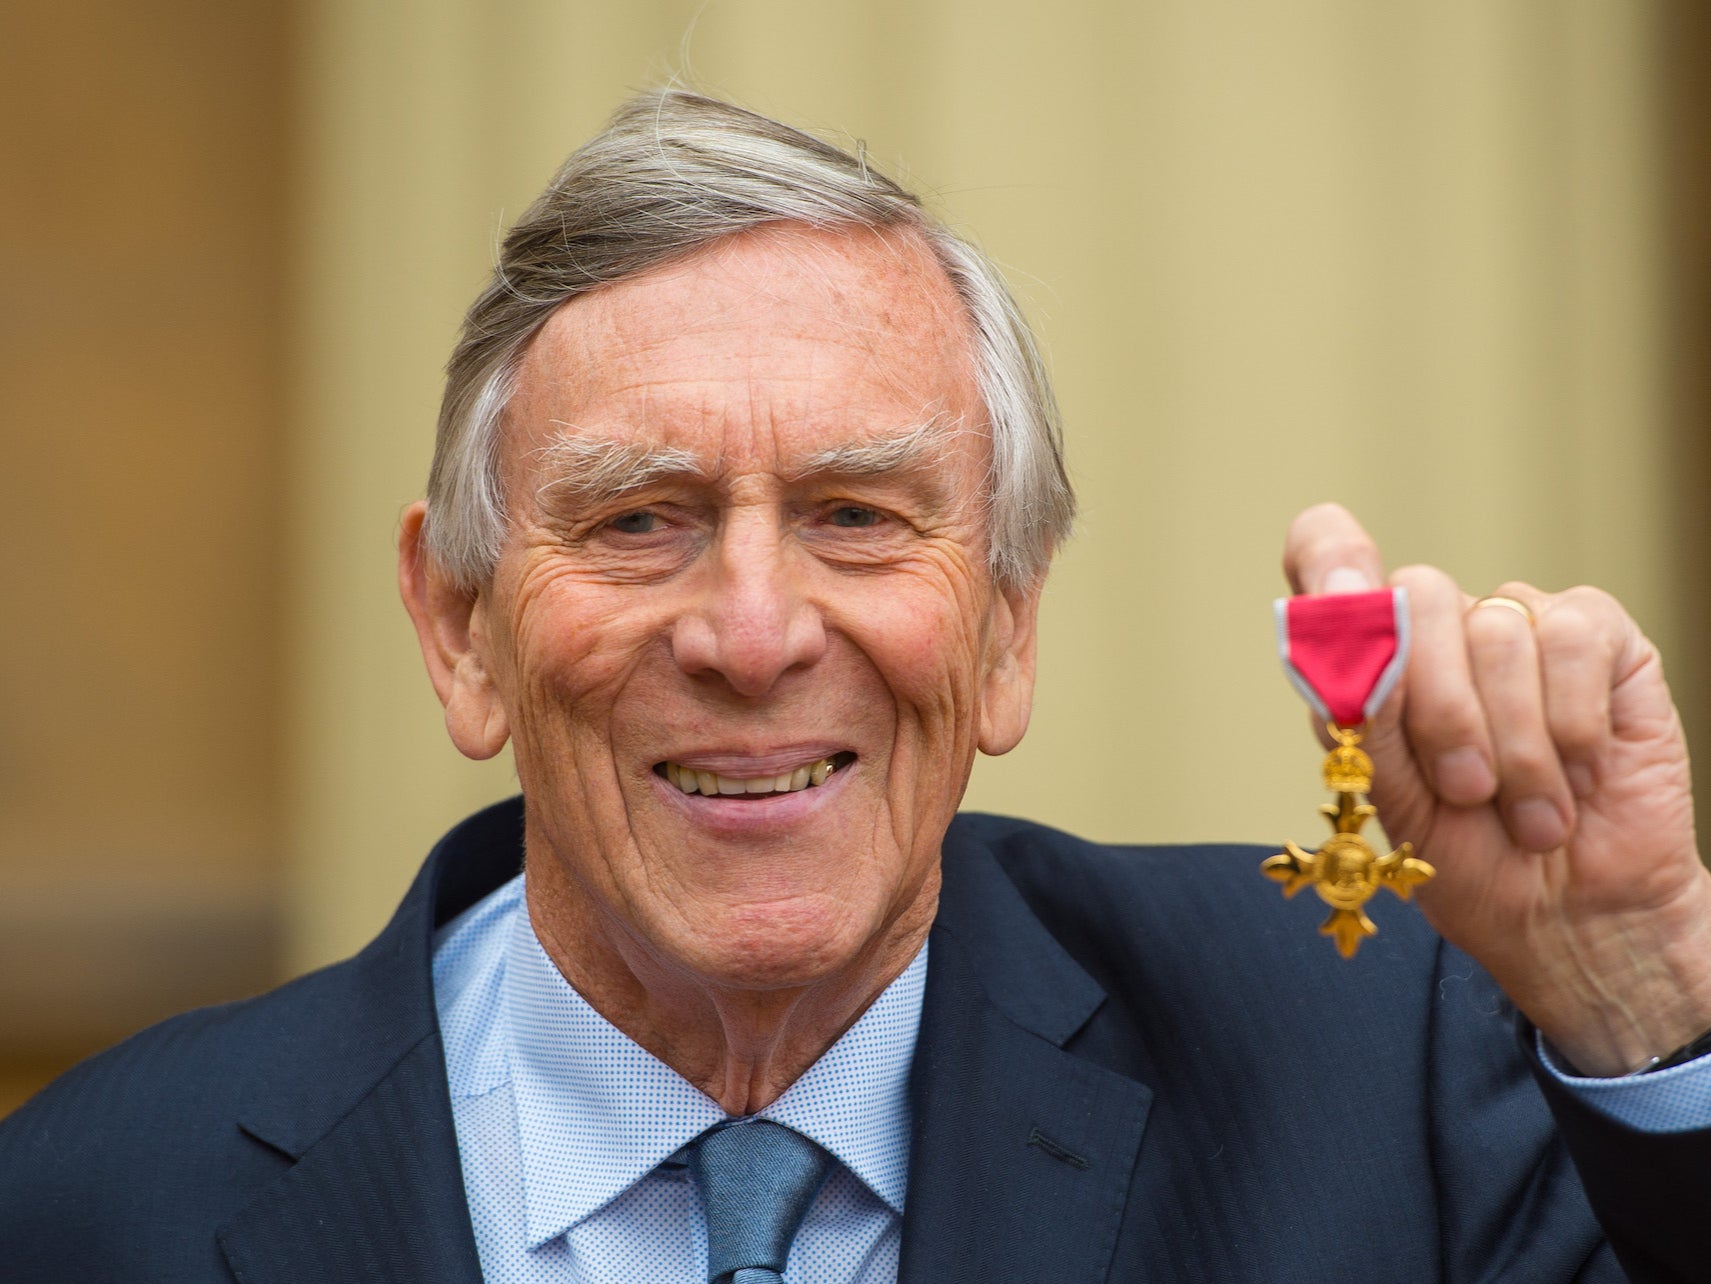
[[378, 1198], [1023, 1154], [353, 1089]]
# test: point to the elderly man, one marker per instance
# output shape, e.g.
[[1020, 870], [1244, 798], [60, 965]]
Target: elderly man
[[746, 484]]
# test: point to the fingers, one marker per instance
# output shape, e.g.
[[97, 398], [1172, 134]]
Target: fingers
[[1582, 636], [1446, 719], [1504, 657], [1328, 551], [1500, 707]]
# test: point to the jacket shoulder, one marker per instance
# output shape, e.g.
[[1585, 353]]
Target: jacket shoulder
[[137, 1154], [126, 1166]]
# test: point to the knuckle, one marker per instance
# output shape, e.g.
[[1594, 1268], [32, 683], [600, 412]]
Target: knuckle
[[1580, 609], [1446, 722], [1568, 629], [1427, 583], [1578, 737], [1498, 635], [1530, 761], [1590, 598], [1596, 609], [1520, 590], [1589, 626]]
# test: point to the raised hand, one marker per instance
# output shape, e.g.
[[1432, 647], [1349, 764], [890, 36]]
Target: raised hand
[[1533, 755]]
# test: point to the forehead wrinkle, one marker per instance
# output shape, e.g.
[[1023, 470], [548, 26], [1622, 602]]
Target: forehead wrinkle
[[591, 469]]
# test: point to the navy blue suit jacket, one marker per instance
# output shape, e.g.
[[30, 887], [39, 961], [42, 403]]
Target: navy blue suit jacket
[[1135, 1064]]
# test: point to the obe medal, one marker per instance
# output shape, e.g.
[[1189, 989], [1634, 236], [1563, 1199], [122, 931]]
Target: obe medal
[[1344, 653]]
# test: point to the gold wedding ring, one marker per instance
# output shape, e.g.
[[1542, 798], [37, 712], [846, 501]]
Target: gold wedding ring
[[1507, 603]]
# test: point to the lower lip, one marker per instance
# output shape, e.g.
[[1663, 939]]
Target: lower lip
[[726, 814]]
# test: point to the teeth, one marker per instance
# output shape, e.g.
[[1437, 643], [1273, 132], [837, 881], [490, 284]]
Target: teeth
[[692, 781]]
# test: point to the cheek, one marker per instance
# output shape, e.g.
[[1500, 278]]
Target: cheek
[[930, 659], [573, 649], [925, 637]]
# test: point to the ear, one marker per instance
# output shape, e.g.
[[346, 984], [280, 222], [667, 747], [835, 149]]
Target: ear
[[1007, 687], [450, 628]]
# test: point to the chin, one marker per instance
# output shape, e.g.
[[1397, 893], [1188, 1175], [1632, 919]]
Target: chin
[[779, 947]]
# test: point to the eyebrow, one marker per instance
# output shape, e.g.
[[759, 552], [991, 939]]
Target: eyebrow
[[912, 449], [593, 470]]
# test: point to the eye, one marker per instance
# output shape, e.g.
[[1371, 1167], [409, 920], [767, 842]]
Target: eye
[[640, 522], [854, 516]]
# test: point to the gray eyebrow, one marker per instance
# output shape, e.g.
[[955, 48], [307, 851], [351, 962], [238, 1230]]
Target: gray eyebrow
[[916, 447], [594, 469]]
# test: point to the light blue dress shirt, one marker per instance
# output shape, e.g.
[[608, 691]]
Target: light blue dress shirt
[[571, 1134], [1674, 1100]]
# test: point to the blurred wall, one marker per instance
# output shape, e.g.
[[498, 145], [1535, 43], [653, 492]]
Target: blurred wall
[[1403, 255], [1412, 255], [142, 395], [1683, 41]]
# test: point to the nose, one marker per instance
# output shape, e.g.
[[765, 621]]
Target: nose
[[752, 620]]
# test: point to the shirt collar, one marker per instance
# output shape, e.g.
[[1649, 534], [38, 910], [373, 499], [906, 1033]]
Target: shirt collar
[[596, 1112], [854, 1101]]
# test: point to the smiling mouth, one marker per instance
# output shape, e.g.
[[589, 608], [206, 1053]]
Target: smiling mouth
[[804, 776]]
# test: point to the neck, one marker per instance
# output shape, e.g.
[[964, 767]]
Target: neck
[[741, 1046]]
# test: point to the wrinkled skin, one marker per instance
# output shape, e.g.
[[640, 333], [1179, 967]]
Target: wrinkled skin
[[743, 617]]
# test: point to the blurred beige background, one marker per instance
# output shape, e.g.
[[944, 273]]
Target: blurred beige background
[[1443, 260]]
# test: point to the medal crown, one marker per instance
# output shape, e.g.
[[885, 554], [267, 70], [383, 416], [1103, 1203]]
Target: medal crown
[[1348, 770]]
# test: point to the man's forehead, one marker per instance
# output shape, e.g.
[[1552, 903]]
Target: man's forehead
[[764, 352], [780, 261], [872, 307]]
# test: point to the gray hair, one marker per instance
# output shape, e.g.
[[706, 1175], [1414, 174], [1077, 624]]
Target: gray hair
[[672, 173]]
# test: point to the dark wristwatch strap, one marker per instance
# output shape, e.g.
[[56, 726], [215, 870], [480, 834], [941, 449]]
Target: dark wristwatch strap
[[1690, 1051]]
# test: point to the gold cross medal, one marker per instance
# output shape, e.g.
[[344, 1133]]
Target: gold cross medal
[[1344, 652]]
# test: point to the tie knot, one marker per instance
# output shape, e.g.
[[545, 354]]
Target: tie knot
[[757, 1179]]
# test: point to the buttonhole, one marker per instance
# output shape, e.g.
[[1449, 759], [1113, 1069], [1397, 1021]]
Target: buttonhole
[[1039, 1140]]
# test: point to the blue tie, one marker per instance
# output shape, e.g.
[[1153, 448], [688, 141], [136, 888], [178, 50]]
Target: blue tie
[[757, 1179]]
